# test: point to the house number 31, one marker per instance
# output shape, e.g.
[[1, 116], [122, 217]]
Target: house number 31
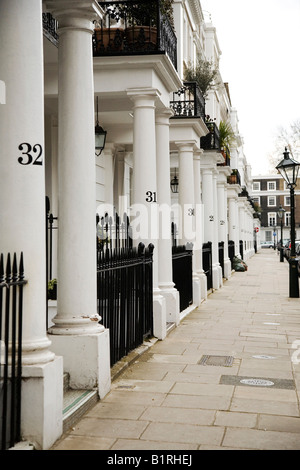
[[27, 158]]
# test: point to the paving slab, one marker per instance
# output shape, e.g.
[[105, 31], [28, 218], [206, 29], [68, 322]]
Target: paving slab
[[170, 398]]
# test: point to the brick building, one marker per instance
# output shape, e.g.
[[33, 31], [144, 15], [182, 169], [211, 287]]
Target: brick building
[[270, 192]]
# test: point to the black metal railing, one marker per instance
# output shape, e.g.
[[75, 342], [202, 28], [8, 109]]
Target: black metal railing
[[11, 314], [182, 266], [50, 28], [221, 256], [242, 249], [211, 141], [231, 251], [207, 262], [188, 101], [130, 27], [124, 286]]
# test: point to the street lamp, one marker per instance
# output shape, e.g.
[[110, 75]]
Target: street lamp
[[280, 213], [288, 169]]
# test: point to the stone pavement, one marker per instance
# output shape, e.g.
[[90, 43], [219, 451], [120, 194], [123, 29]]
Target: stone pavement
[[185, 393]]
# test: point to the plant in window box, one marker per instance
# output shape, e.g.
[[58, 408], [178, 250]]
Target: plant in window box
[[52, 289]]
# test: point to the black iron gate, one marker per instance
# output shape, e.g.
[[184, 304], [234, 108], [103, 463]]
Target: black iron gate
[[231, 251], [207, 262], [221, 256], [182, 264], [11, 314], [124, 286]]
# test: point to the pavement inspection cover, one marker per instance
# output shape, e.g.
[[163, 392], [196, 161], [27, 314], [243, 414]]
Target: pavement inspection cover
[[257, 382], [223, 361]]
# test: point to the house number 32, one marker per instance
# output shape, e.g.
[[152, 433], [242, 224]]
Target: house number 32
[[27, 158]]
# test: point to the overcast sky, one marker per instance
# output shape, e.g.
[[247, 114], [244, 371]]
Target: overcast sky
[[260, 44]]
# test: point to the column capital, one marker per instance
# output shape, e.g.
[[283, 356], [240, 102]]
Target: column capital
[[197, 154], [163, 116], [186, 145], [85, 8]]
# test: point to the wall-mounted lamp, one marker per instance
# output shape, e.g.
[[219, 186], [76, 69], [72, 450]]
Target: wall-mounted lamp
[[100, 136], [174, 184]]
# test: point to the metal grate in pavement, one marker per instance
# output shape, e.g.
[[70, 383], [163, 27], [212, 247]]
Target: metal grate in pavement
[[223, 361]]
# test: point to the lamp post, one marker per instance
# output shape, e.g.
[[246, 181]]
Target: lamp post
[[288, 169], [280, 213]]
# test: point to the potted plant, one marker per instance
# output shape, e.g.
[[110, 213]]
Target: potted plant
[[204, 73], [143, 22], [52, 289], [227, 135]]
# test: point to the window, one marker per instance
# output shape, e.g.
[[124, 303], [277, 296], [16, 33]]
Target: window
[[256, 200], [287, 200], [268, 236], [287, 218], [271, 185], [256, 186], [272, 219], [271, 201]]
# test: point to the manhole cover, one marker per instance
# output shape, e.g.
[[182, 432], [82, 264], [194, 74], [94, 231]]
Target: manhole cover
[[223, 361], [284, 384], [257, 382], [262, 356]]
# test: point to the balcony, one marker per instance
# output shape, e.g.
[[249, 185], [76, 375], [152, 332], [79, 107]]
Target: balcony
[[212, 140], [234, 178], [188, 102], [134, 28], [226, 155]]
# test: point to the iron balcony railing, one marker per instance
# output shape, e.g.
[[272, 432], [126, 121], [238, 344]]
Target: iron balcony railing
[[188, 101], [50, 28], [211, 141], [234, 178], [131, 27]]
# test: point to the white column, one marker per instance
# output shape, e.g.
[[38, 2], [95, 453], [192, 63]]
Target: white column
[[77, 334], [218, 277], [186, 192], [165, 272], [208, 188], [222, 217], [233, 226], [22, 215], [199, 274], [144, 207]]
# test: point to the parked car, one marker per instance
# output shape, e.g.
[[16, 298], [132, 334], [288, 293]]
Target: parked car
[[267, 244], [287, 249]]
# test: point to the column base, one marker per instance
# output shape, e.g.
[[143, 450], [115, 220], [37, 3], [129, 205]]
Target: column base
[[159, 315], [227, 268], [171, 296], [86, 359], [217, 276], [196, 290], [42, 403], [203, 282]]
